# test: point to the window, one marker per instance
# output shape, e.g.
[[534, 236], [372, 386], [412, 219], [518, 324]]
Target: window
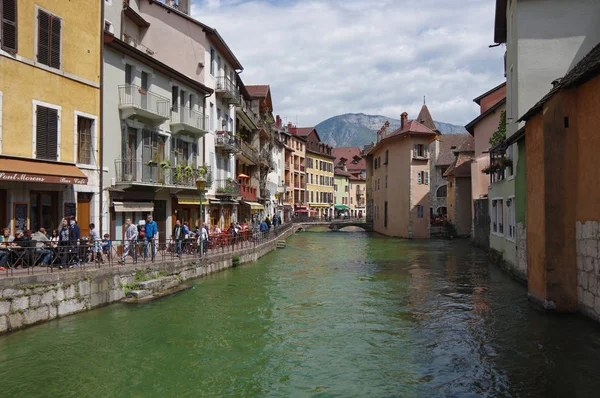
[[84, 140], [511, 218], [128, 74], [48, 42], [442, 191], [419, 211], [212, 116], [350, 199], [375, 163], [509, 155], [219, 118], [386, 181], [385, 214], [212, 61], [385, 160], [335, 188], [423, 177], [108, 26], [8, 27], [218, 64], [497, 216], [46, 139], [420, 151], [174, 97]]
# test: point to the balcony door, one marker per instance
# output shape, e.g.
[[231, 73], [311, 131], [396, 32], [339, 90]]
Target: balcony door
[[129, 163], [144, 92]]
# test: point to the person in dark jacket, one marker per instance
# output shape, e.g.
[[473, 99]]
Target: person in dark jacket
[[178, 235], [74, 239], [64, 243]]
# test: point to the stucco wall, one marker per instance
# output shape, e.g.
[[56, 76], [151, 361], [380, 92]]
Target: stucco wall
[[463, 206], [498, 241]]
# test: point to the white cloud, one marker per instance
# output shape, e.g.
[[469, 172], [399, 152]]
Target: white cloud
[[327, 57]]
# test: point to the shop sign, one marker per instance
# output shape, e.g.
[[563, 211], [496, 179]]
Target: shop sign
[[25, 177]]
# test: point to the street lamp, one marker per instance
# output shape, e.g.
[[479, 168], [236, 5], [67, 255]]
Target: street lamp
[[200, 185]]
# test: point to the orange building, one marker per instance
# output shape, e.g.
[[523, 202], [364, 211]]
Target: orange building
[[563, 191], [398, 191]]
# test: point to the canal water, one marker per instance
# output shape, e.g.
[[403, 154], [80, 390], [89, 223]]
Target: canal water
[[332, 315]]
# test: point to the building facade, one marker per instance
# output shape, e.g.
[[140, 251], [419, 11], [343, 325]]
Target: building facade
[[50, 67], [357, 197], [319, 174], [398, 193], [295, 202], [341, 190]]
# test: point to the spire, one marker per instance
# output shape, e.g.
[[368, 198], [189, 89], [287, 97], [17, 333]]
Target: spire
[[425, 118], [423, 100]]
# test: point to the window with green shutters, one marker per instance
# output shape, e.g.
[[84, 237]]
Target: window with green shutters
[[49, 37], [8, 27], [46, 141]]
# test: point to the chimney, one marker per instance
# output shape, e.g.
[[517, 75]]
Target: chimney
[[182, 5], [345, 168], [403, 119], [278, 121]]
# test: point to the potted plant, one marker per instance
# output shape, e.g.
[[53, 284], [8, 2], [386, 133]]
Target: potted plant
[[165, 164]]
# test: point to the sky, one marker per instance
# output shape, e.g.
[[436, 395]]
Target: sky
[[324, 58]]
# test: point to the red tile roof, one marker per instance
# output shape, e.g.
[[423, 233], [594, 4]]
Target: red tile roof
[[425, 118], [446, 142], [340, 172], [259, 91], [411, 127], [350, 153], [304, 131]]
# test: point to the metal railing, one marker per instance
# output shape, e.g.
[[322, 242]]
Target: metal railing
[[249, 112], [224, 84], [226, 141], [226, 188], [248, 151], [25, 258], [190, 117], [132, 95], [152, 173]]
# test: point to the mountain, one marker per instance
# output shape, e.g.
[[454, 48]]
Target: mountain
[[358, 129]]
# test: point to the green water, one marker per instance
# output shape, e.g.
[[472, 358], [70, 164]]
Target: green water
[[332, 315]]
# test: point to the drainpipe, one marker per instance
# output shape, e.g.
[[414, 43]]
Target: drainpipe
[[203, 137], [101, 125]]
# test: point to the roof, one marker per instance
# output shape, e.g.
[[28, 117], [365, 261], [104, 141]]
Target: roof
[[446, 142], [584, 70], [500, 22], [340, 172], [350, 154], [258, 91], [425, 118], [112, 41], [411, 127], [304, 131], [482, 96], [220, 43], [460, 167], [471, 126]]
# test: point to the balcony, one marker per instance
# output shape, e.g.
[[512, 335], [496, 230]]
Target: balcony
[[302, 168], [265, 159], [287, 167], [142, 172], [248, 193], [296, 167], [189, 122], [226, 188], [227, 90], [226, 142], [133, 101], [248, 153], [247, 114]]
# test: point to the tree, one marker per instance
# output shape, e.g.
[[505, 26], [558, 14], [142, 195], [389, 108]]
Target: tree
[[500, 134]]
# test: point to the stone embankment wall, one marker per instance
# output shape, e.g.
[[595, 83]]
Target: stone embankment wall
[[31, 299], [588, 268]]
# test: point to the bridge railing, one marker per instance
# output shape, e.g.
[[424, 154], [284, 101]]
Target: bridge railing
[[328, 220]]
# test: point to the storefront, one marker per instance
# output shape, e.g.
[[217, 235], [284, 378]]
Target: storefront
[[249, 209], [36, 194], [137, 206], [186, 208], [222, 213], [341, 210]]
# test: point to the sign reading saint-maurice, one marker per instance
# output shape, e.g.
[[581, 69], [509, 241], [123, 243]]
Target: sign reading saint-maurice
[[24, 177]]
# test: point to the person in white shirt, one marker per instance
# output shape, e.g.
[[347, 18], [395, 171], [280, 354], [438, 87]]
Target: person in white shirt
[[131, 234], [204, 238]]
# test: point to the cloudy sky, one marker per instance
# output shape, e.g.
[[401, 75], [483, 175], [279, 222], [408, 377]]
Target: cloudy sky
[[328, 57]]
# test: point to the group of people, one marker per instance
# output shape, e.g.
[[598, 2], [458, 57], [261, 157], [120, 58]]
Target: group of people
[[63, 247]]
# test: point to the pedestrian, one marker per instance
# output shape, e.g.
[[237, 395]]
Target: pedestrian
[[54, 238], [178, 235], [268, 222], [275, 221], [41, 246], [106, 246], [151, 231], [64, 243], [278, 220], [204, 238], [186, 238], [74, 241], [263, 226], [96, 242], [131, 234]]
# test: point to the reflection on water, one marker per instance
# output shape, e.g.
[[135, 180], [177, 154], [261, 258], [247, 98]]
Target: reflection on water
[[333, 314]]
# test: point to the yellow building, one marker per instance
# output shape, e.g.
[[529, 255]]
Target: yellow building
[[50, 65], [320, 180]]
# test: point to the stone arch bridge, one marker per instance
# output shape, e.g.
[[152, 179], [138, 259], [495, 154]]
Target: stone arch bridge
[[336, 224]]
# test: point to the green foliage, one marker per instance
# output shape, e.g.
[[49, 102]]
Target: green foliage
[[141, 276], [500, 134]]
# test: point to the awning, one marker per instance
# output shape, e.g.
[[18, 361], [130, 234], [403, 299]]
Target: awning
[[301, 211], [222, 202], [320, 205], [341, 207], [22, 170], [144, 207], [191, 200], [254, 205]]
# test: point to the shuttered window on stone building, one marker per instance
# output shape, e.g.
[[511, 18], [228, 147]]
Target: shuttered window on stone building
[[8, 29], [46, 142], [49, 37]]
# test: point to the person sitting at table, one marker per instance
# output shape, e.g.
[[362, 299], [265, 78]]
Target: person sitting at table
[[23, 254], [54, 238], [96, 244], [106, 245], [41, 246], [6, 236]]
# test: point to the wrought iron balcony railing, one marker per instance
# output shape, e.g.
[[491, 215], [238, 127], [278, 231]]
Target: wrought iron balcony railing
[[226, 188], [133, 100]]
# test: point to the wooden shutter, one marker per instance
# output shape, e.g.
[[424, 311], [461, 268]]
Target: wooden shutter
[[46, 133], [8, 11], [415, 150], [55, 42], [419, 179], [425, 150], [426, 178], [84, 138]]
